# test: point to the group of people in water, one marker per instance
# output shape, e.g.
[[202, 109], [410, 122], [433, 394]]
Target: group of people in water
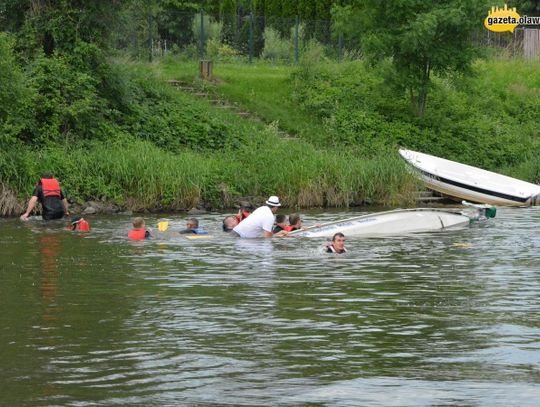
[[262, 222]]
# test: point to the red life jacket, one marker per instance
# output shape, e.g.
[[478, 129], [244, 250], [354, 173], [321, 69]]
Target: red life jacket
[[84, 226], [137, 234], [50, 187], [288, 228], [242, 215]]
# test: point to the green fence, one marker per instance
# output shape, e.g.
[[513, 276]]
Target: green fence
[[241, 36], [248, 37]]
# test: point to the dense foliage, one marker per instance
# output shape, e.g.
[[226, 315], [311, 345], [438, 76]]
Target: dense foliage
[[488, 119], [420, 38]]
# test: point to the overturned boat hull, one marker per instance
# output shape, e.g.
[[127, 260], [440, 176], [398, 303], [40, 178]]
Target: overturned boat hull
[[397, 222], [470, 183]]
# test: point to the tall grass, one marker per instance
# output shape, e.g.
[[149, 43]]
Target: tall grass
[[137, 175], [10, 204], [304, 176], [134, 175]]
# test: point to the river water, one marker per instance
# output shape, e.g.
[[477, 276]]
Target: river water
[[447, 318]]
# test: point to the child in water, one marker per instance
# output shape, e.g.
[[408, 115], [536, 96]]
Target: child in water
[[192, 227], [280, 224], [78, 223], [295, 222], [139, 231]]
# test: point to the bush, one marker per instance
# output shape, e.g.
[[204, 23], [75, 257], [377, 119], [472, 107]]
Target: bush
[[276, 48], [67, 105], [16, 97], [488, 122], [218, 51]]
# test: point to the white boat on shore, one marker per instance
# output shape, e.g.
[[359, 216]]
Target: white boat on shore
[[470, 183], [400, 221]]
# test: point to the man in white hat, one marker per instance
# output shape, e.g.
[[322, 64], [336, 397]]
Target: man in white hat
[[260, 222]]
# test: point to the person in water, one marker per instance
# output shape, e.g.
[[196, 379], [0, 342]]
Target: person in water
[[231, 221], [78, 223], [261, 222], [337, 245], [242, 214], [281, 223], [295, 222], [139, 231], [192, 227], [51, 197]]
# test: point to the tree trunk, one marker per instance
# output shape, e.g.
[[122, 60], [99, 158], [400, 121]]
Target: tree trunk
[[419, 102]]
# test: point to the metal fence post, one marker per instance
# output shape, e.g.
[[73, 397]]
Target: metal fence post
[[201, 39], [250, 37], [340, 47], [150, 39], [297, 23]]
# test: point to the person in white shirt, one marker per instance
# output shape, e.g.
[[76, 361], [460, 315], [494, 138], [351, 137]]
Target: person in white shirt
[[261, 222]]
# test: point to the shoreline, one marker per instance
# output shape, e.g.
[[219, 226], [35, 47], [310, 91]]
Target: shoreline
[[111, 208]]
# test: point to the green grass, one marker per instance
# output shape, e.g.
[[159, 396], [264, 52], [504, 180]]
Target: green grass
[[263, 88], [488, 119], [135, 174]]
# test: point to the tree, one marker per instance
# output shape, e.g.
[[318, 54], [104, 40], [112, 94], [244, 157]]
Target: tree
[[174, 21], [527, 7], [420, 37]]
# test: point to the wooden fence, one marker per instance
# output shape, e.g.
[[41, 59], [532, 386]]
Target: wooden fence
[[531, 43]]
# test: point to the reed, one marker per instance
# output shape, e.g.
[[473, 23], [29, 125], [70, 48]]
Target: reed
[[137, 175], [9, 203]]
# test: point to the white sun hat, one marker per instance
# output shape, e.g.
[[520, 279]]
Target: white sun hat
[[273, 201]]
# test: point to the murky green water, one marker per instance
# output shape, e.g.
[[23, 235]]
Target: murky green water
[[449, 318]]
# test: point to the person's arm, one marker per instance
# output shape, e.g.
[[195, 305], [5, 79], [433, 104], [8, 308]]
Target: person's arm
[[31, 205], [66, 205], [268, 226]]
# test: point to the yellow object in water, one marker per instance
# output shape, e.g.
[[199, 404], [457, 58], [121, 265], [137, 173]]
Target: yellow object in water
[[163, 226], [462, 245], [195, 237]]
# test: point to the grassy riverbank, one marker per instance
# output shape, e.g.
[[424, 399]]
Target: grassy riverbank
[[135, 174], [173, 151], [138, 143], [488, 119]]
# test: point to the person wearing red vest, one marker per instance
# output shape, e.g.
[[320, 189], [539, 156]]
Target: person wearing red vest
[[230, 222], [139, 231], [280, 224], [79, 224], [49, 194], [242, 214], [295, 222]]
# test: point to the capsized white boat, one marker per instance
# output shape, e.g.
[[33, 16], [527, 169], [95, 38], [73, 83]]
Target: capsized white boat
[[471, 183], [400, 221]]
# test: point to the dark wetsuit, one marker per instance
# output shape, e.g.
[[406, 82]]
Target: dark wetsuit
[[195, 231], [53, 208]]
